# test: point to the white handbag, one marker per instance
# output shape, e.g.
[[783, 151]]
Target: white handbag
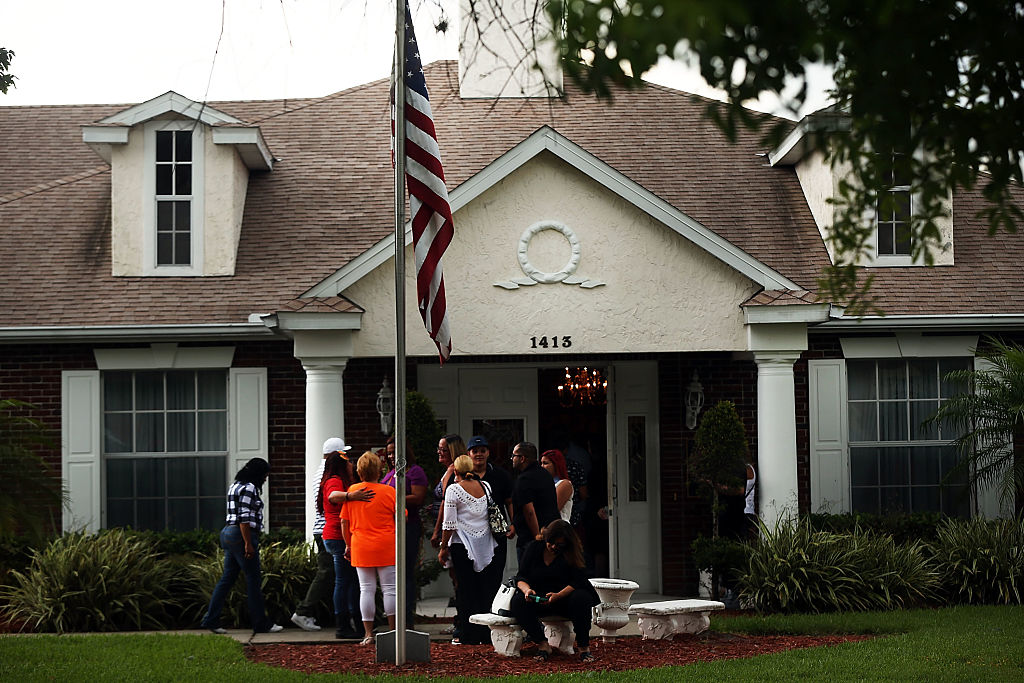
[[502, 603]]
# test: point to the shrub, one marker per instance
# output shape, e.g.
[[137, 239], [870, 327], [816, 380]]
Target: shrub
[[110, 581], [193, 542], [981, 561], [797, 569], [287, 573], [916, 526]]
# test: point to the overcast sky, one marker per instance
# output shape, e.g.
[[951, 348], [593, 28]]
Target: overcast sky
[[128, 51]]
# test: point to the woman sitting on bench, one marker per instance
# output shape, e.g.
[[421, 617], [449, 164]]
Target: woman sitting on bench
[[551, 582]]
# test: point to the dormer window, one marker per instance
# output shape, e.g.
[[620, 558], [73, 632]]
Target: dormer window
[[173, 197], [179, 176], [894, 209], [173, 206]]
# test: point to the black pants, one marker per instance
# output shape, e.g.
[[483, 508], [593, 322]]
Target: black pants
[[576, 607], [494, 572], [470, 596]]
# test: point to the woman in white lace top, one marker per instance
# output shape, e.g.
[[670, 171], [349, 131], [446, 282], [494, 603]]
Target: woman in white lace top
[[467, 541]]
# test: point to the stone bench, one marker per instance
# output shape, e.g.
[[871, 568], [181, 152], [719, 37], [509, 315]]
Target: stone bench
[[663, 620], [507, 635]]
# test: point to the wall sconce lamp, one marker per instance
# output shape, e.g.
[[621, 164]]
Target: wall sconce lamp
[[694, 401], [386, 407]]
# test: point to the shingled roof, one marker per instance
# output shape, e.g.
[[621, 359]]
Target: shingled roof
[[328, 199]]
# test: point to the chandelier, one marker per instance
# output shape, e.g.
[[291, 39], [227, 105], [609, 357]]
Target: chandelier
[[583, 387]]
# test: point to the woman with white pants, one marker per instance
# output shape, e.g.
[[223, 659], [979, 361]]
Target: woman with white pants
[[369, 531]]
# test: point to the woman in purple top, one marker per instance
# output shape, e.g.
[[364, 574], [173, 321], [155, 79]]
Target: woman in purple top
[[416, 485]]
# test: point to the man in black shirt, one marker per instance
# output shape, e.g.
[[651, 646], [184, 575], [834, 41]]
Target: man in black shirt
[[500, 483], [534, 503]]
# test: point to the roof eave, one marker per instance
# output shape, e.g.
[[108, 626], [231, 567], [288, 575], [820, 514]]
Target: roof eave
[[119, 333]]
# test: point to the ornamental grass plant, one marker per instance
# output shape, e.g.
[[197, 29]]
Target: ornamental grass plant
[[794, 568], [981, 561], [109, 581]]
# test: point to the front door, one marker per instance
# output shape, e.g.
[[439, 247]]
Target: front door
[[635, 514]]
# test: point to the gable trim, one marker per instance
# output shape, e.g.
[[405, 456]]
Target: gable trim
[[546, 139], [170, 101]]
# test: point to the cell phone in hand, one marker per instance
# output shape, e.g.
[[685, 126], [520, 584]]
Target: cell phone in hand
[[539, 598]]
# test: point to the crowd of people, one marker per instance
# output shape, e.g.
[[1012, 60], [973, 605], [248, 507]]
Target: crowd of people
[[354, 535]]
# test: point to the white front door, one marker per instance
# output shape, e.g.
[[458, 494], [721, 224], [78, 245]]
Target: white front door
[[633, 460]]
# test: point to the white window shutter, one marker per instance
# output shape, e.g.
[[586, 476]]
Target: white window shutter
[[830, 458], [81, 429], [247, 424]]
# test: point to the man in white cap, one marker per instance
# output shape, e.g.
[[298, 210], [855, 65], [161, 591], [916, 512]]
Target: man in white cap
[[323, 582]]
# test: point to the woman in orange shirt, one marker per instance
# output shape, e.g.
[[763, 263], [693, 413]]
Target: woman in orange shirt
[[369, 531]]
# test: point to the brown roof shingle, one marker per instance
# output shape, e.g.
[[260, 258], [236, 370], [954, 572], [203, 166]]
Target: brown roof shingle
[[329, 198]]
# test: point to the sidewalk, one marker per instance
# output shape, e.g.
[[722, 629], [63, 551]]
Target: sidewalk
[[431, 607]]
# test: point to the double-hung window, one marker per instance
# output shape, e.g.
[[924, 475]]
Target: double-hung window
[[173, 197], [165, 447], [899, 464], [894, 209]]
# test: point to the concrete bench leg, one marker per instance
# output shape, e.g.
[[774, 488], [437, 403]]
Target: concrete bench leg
[[665, 627], [655, 627], [507, 640], [694, 622], [561, 635]]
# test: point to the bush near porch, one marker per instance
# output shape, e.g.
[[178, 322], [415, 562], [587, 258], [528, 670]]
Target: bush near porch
[[121, 580]]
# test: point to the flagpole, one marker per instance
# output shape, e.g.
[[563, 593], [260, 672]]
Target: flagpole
[[400, 455]]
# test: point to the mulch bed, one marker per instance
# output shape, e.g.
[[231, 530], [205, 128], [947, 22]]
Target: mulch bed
[[450, 660]]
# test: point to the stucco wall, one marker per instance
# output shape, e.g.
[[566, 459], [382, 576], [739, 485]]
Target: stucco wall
[[662, 293]]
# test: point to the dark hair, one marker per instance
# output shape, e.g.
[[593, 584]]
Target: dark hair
[[334, 466], [254, 472], [558, 460], [561, 530], [410, 457], [527, 450]]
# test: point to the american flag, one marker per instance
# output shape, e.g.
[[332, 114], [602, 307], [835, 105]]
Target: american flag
[[432, 227]]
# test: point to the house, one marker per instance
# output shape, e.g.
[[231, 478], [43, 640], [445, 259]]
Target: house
[[187, 285]]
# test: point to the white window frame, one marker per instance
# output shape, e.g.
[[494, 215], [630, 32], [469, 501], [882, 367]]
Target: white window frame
[[149, 199], [82, 421], [893, 260], [829, 414]]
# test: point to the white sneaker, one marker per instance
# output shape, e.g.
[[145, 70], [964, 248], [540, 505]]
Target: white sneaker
[[305, 623], [275, 628], [218, 630]]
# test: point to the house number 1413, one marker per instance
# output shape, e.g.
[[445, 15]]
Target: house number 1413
[[552, 342]]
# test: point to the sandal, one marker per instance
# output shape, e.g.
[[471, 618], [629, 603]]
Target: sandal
[[368, 640], [542, 655], [586, 656]]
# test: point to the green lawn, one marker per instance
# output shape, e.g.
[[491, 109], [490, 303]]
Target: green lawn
[[954, 644]]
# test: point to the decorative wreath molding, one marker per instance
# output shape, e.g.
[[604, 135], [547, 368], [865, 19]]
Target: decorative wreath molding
[[534, 275]]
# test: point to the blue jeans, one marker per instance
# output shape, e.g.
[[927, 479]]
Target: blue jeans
[[346, 583], [234, 562]]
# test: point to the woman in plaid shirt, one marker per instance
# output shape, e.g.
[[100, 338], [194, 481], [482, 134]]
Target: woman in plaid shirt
[[240, 539]]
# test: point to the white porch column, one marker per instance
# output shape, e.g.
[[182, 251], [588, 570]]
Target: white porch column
[[776, 436], [324, 355], [325, 417], [777, 335]]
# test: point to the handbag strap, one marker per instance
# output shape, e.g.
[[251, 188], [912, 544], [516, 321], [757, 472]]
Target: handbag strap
[[487, 492]]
